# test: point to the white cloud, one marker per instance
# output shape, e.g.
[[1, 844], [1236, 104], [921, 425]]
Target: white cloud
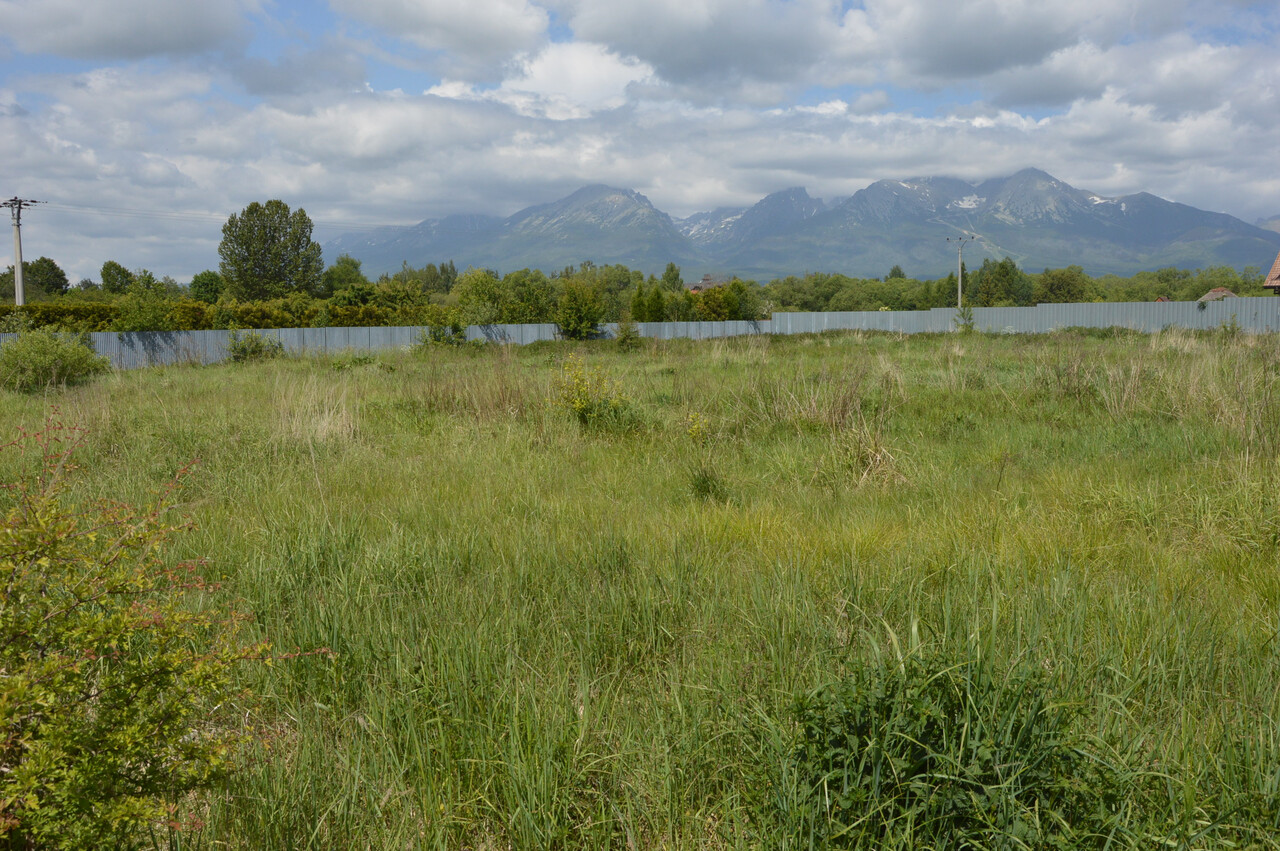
[[940, 42], [700, 42], [697, 104], [475, 35], [299, 72], [562, 81], [122, 29]]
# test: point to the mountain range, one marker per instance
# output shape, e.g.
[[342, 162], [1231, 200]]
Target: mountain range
[[1031, 216]]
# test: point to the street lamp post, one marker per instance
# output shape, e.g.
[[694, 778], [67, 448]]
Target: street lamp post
[[960, 241]]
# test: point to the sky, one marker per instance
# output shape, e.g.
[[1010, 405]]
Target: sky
[[143, 124]]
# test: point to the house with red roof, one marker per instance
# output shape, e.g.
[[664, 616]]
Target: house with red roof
[[1216, 294], [1273, 279]]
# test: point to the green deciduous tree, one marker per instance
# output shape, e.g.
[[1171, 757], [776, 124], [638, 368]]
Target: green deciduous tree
[[40, 278], [115, 278], [532, 297], [999, 284], [146, 304], [345, 272], [207, 286], [267, 252], [44, 276], [1061, 286], [481, 297], [580, 309]]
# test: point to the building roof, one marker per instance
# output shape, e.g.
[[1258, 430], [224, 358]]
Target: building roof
[[1217, 293], [707, 282], [1273, 279]]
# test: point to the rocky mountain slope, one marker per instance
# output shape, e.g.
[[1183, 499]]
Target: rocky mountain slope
[[1030, 216]]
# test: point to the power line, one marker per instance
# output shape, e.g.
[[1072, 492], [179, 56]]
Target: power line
[[215, 218]]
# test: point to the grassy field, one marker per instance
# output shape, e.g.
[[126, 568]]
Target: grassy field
[[578, 597]]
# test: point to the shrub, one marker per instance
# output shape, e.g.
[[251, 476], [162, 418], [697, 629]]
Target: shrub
[[258, 314], [595, 401], [110, 682], [361, 316], [190, 315], [142, 311], [253, 347], [443, 335], [93, 316], [628, 338], [443, 324], [935, 751], [43, 358], [16, 322]]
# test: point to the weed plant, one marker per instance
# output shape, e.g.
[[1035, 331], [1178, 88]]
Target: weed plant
[[541, 638], [938, 750]]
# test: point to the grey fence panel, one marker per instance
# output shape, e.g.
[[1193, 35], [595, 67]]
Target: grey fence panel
[[405, 336], [541, 332], [337, 339], [659, 330], [378, 338], [747, 327], [358, 338], [942, 319], [214, 345], [134, 349], [487, 334], [656, 330], [999, 318], [294, 340], [314, 339], [1255, 314], [385, 337]]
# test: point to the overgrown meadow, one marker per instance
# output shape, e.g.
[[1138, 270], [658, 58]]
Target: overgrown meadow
[[863, 591]]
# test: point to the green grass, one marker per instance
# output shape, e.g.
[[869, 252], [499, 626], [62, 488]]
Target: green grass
[[553, 633]]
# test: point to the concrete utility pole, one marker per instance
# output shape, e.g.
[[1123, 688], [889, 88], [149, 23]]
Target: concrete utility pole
[[961, 240], [15, 205]]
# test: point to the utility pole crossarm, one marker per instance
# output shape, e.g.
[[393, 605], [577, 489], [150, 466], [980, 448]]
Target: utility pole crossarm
[[15, 206]]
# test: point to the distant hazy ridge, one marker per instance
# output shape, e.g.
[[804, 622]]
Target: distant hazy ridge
[[1039, 221]]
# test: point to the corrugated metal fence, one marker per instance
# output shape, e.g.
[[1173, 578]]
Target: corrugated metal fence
[[1258, 315]]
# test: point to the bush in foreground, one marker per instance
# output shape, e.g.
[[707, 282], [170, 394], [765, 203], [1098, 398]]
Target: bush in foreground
[[940, 752], [44, 358], [253, 346], [595, 400], [110, 682]]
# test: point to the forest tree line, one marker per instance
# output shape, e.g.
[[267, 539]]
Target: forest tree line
[[576, 296]]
